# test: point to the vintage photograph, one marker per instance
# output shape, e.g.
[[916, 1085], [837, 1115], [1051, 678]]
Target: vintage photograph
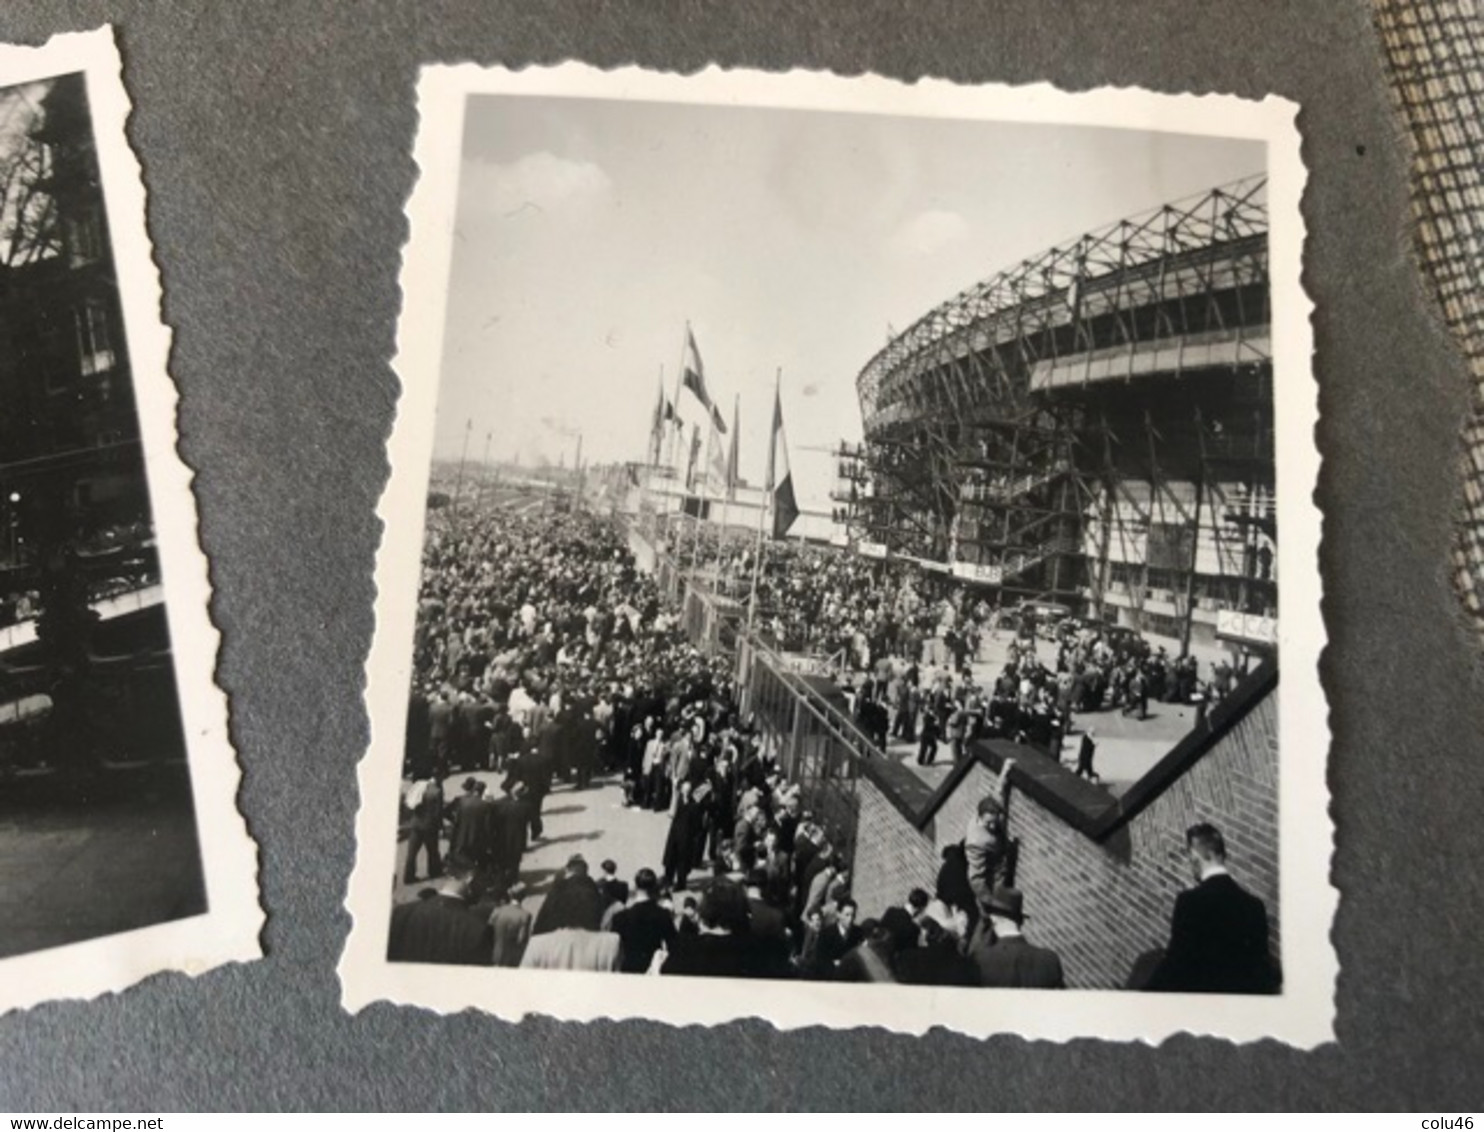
[[832, 565], [101, 818]]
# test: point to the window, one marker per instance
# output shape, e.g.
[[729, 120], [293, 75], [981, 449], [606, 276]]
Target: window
[[95, 347], [85, 238]]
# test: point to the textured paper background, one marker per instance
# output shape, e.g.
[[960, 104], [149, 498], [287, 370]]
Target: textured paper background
[[275, 140]]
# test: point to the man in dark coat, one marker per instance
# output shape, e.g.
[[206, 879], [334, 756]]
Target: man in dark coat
[[937, 962], [1219, 931], [685, 841], [510, 818], [769, 942], [442, 927], [533, 770], [720, 948], [425, 803], [473, 836], [1004, 956], [573, 902], [440, 729], [644, 927]]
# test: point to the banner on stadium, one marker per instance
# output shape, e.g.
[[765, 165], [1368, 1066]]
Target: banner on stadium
[[873, 549], [1248, 628], [978, 572]]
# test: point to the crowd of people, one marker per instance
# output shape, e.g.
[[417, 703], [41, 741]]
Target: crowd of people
[[544, 655], [906, 643]]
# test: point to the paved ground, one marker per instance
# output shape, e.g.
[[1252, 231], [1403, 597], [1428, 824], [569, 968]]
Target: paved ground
[[72, 870], [1126, 746], [593, 822]]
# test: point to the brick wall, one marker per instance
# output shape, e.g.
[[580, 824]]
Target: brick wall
[[892, 857], [1097, 903]]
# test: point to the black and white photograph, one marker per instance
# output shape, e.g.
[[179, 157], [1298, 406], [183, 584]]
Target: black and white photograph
[[831, 565], [106, 807]]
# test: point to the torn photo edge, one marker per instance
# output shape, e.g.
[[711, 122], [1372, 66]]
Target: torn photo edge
[[228, 930], [1302, 1015]]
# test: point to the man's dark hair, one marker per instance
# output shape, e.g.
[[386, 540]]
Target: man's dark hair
[[1206, 840], [724, 905], [646, 882], [848, 902], [917, 899]]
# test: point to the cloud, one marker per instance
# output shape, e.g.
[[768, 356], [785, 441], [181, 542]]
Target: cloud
[[539, 181], [928, 232]]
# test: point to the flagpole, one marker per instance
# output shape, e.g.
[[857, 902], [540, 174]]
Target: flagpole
[[679, 437], [762, 512], [706, 486], [728, 489]]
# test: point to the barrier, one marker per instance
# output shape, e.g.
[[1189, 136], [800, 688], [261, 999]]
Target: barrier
[[818, 745]]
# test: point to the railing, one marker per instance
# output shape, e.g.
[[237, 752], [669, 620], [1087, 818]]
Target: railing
[[819, 746]]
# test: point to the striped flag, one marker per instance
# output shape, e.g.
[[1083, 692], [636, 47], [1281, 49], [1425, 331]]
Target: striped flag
[[695, 379], [780, 478]]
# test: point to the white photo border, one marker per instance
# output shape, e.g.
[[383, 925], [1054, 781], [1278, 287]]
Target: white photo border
[[228, 930], [1303, 1015]]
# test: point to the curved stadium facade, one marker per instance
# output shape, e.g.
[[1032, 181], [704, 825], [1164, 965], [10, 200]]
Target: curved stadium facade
[[1093, 426]]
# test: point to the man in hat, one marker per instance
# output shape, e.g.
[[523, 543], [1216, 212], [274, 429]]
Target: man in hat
[[574, 901], [473, 836], [1004, 956], [443, 928]]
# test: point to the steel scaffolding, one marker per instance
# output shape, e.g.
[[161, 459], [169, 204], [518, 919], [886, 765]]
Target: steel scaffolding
[[1092, 425]]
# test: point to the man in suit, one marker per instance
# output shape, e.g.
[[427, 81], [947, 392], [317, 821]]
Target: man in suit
[[1219, 931], [442, 927], [1004, 956]]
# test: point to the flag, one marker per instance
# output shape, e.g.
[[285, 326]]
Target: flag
[[695, 378], [780, 478], [729, 477], [695, 453], [717, 421], [657, 425]]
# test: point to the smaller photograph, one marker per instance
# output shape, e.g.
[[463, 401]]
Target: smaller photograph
[[103, 673]]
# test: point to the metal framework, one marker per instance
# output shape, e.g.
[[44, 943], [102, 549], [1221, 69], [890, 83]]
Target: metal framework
[[1093, 423]]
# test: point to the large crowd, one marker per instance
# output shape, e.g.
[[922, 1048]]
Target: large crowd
[[905, 642], [545, 656]]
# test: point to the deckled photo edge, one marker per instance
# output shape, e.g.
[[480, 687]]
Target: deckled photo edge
[[227, 931], [1299, 1017]]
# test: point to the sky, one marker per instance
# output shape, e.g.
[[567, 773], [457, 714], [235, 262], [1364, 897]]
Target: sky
[[589, 232]]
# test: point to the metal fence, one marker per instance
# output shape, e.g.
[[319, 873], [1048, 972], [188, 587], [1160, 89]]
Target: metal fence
[[818, 746]]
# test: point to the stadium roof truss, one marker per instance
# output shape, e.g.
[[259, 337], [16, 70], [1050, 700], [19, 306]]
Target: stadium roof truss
[[1000, 420]]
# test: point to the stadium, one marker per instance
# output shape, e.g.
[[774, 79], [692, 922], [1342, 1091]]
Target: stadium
[[1091, 429]]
